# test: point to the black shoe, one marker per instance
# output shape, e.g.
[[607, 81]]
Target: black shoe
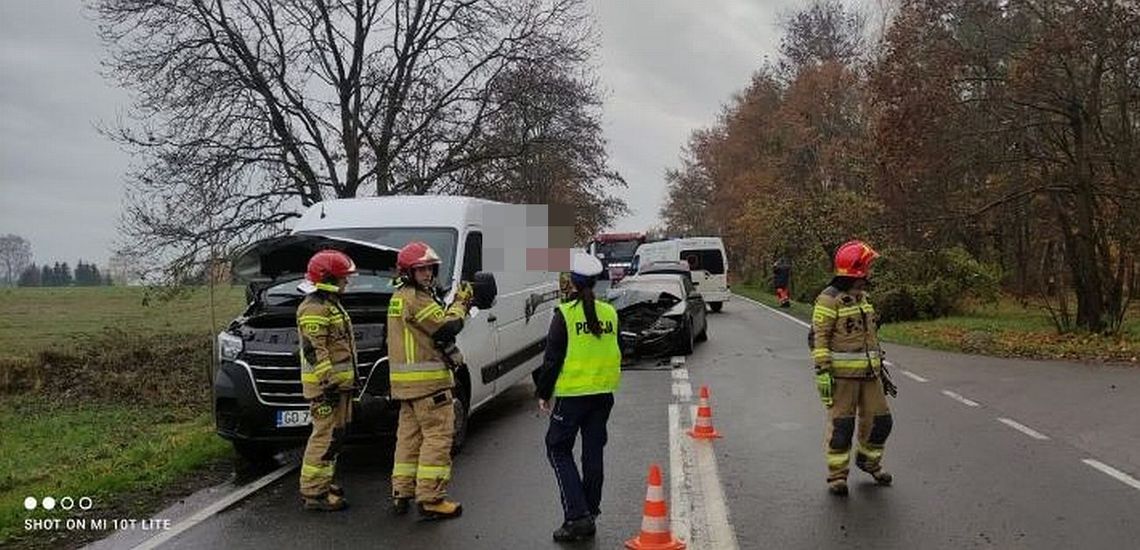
[[882, 477], [400, 506], [838, 488], [576, 530]]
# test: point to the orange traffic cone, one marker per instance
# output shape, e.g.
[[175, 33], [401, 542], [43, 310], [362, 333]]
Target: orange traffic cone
[[703, 427], [655, 531]]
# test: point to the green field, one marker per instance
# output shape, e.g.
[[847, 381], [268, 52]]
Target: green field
[[1005, 329], [36, 319], [103, 393]]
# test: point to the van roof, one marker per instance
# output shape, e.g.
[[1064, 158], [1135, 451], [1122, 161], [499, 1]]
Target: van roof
[[394, 211]]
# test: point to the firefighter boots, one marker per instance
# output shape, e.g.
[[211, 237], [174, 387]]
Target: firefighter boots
[[838, 487], [400, 506], [440, 509], [327, 502]]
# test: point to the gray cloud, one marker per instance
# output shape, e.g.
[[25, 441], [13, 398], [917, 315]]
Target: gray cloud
[[668, 65]]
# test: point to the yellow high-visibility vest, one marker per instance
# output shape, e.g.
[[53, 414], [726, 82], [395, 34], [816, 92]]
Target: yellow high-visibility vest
[[592, 364]]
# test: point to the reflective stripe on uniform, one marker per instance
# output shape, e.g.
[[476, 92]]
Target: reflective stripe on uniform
[[820, 353], [428, 311], [874, 454], [442, 374], [327, 287], [404, 469], [318, 319], [317, 471], [837, 460], [409, 346], [433, 472]]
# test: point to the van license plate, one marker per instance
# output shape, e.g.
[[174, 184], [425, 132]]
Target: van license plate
[[292, 418]]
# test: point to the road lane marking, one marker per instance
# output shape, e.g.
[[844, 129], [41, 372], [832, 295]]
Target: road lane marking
[[222, 504], [914, 376], [1023, 429], [960, 399], [682, 391], [680, 374], [718, 527], [774, 310], [678, 487], [1113, 472]]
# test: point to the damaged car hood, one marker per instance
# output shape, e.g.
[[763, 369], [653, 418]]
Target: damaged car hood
[[664, 303]]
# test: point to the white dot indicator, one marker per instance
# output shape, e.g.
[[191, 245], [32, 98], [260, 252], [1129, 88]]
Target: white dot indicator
[[49, 503], [30, 503]]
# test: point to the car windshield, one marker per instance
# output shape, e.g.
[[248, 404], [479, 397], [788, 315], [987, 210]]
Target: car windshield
[[620, 251], [441, 239]]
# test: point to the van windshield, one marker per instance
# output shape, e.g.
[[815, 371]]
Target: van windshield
[[441, 239], [618, 251], [708, 259]]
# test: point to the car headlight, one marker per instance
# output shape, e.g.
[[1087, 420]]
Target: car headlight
[[229, 346], [663, 324]]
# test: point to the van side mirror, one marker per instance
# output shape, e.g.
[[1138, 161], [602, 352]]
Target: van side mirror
[[485, 290]]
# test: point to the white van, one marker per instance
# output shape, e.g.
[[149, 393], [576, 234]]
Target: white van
[[257, 390], [707, 262]]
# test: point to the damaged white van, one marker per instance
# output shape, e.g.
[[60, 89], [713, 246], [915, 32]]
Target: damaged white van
[[707, 263], [257, 388]]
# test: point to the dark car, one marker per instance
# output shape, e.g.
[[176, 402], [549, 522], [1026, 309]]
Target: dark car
[[658, 314]]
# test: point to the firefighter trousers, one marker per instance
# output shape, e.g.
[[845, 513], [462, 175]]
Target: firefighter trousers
[[423, 447], [862, 399], [330, 422]]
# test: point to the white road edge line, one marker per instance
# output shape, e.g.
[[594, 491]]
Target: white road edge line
[[720, 532], [1113, 472], [960, 399], [773, 310], [1023, 429], [914, 376], [205, 513], [678, 489]]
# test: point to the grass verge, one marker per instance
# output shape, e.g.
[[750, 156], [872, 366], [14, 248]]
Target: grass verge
[[1004, 329]]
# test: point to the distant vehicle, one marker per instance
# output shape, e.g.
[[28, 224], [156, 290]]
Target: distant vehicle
[[257, 387], [615, 250], [658, 314], [706, 260], [667, 266]]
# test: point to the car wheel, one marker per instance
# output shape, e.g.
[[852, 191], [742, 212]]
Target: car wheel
[[716, 306], [462, 403], [704, 335], [687, 338]]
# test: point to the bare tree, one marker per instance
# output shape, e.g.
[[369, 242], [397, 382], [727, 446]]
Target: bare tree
[[273, 105], [15, 257]]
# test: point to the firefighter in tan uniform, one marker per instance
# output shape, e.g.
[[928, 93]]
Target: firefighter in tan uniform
[[419, 328], [328, 374], [850, 376]]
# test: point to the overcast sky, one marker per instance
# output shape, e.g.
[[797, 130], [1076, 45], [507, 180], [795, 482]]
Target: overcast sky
[[668, 65]]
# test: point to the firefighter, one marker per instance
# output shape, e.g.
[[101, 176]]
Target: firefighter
[[781, 279], [848, 369], [328, 375], [581, 371], [421, 357]]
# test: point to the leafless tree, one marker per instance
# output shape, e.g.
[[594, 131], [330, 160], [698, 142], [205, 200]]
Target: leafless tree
[[15, 256], [248, 110]]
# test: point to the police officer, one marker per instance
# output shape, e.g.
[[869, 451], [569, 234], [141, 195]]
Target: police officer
[[849, 369], [328, 374], [581, 371], [420, 332]]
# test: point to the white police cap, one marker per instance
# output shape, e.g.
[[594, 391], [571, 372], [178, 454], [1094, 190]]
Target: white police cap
[[585, 265]]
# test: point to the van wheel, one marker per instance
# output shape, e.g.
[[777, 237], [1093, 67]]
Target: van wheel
[[462, 404], [716, 306]]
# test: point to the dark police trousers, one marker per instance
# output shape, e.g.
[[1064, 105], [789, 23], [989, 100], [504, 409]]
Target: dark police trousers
[[581, 496]]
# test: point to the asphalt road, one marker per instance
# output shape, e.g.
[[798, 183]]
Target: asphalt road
[[985, 453]]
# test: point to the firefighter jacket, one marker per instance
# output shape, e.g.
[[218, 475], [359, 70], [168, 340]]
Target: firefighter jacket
[[843, 337], [417, 324], [328, 348], [592, 364]]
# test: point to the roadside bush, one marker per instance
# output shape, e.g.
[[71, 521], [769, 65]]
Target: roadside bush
[[169, 370], [930, 283]]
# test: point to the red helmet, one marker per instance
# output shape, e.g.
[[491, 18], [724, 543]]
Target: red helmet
[[853, 259], [416, 254], [328, 265]]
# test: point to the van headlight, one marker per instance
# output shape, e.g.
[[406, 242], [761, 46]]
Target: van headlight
[[229, 346]]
